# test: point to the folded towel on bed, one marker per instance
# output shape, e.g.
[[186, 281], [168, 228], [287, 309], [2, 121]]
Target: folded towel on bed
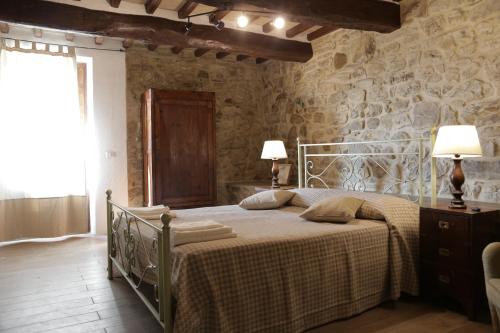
[[196, 232], [192, 226], [151, 213], [184, 237]]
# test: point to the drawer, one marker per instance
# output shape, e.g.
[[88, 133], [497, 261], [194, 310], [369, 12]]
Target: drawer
[[451, 253], [446, 280], [445, 227]]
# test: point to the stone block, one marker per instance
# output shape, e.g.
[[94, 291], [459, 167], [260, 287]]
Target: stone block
[[425, 115]]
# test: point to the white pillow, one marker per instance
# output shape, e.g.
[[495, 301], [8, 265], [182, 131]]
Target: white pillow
[[267, 199], [333, 209]]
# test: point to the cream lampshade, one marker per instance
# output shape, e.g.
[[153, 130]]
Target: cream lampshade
[[274, 150], [457, 142]]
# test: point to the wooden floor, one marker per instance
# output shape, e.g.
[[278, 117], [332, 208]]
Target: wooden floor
[[62, 287]]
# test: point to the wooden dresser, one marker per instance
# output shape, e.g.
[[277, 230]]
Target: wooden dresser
[[451, 244], [178, 130]]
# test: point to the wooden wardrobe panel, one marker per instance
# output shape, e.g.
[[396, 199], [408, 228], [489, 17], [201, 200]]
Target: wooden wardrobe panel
[[180, 166]]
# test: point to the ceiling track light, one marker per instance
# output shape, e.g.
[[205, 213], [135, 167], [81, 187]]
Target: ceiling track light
[[188, 27], [279, 22], [242, 21], [218, 24]]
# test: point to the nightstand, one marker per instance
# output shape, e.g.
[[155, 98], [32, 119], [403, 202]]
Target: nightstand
[[451, 244], [238, 191]]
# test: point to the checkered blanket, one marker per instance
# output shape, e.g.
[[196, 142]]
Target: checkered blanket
[[285, 274]]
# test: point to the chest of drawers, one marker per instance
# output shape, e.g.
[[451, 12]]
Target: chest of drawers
[[451, 244]]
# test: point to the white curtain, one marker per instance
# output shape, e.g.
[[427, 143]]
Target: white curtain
[[41, 130]]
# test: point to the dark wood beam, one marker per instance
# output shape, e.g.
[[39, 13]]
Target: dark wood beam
[[320, 33], [370, 15], [200, 52], [220, 15], [241, 57], [176, 49], [114, 3], [268, 27], [259, 61], [298, 29], [186, 9], [221, 55], [152, 30], [151, 6]]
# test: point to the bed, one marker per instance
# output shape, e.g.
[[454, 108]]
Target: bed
[[282, 273]]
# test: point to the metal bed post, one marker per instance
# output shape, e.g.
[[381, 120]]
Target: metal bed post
[[164, 275], [433, 169], [109, 219], [420, 171], [299, 164]]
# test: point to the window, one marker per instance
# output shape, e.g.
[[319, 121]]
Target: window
[[41, 123]]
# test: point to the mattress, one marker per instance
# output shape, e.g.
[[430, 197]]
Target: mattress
[[282, 273]]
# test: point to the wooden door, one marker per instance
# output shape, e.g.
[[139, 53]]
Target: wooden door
[[183, 148]]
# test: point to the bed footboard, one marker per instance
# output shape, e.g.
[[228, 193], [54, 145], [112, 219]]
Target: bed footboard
[[162, 305]]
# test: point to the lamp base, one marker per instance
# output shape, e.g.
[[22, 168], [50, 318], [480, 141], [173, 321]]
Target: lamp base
[[457, 205], [457, 179], [275, 171]]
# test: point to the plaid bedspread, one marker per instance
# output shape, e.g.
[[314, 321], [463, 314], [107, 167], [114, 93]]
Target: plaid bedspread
[[285, 274]]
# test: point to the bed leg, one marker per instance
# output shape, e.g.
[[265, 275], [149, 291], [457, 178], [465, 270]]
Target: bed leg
[[109, 220], [164, 275]]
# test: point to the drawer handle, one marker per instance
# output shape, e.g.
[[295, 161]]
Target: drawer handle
[[444, 252], [444, 278], [444, 225]]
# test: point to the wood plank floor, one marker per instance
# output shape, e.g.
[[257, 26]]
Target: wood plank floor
[[62, 287]]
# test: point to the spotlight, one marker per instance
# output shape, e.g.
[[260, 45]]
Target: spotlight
[[219, 25], [242, 21], [279, 22], [187, 27]]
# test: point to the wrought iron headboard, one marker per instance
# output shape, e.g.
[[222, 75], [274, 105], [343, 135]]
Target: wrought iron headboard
[[353, 165]]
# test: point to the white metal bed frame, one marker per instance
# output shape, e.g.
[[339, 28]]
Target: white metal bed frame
[[353, 163], [162, 305]]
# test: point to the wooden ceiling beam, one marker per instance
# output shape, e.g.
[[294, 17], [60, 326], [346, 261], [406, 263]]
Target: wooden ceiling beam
[[200, 52], [152, 47], [259, 61], [320, 33], [370, 15], [186, 9], [220, 15], [151, 6], [241, 57], [221, 55], [176, 49], [151, 29], [268, 27], [114, 3], [298, 29]]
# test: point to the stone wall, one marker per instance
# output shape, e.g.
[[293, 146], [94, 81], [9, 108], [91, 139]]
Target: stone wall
[[238, 90], [442, 67]]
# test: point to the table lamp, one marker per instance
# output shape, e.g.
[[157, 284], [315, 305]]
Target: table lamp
[[457, 142], [274, 150]]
